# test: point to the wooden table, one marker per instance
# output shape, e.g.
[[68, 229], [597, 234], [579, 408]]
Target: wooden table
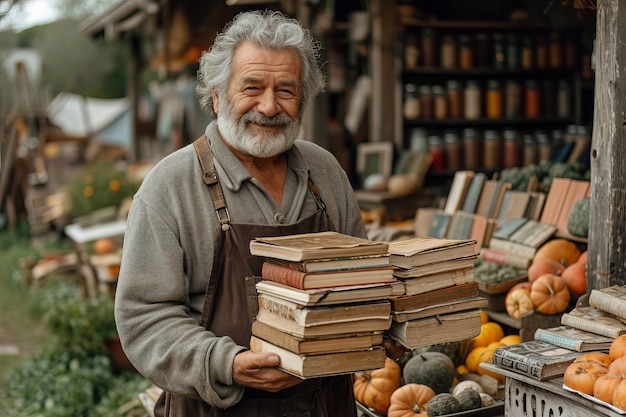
[[525, 397]]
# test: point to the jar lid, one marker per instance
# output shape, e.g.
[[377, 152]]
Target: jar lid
[[511, 135], [453, 84], [437, 90], [491, 135], [469, 132], [425, 89], [493, 84]]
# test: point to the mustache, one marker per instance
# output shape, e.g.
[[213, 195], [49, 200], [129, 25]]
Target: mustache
[[280, 119]]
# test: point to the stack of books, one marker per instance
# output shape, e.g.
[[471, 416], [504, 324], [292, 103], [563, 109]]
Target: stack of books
[[323, 302], [440, 302], [516, 241]]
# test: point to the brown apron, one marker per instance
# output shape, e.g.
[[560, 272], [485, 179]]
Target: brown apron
[[231, 305]]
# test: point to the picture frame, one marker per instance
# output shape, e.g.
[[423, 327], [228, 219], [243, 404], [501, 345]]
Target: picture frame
[[374, 158]]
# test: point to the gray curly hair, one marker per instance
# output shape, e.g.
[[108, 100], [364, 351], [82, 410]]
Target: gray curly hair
[[269, 29]]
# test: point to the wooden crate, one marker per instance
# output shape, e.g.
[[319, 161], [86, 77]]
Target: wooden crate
[[527, 324]]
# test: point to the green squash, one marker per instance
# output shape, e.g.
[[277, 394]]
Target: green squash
[[442, 404], [469, 400], [434, 369]]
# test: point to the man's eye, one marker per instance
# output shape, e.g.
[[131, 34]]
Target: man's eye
[[286, 94]]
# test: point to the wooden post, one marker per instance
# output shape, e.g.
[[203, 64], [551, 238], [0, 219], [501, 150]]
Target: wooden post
[[607, 220]]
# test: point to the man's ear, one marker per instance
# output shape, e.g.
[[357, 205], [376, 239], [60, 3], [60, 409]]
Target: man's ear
[[215, 100]]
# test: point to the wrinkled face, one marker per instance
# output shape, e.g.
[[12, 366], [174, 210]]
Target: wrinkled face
[[260, 114]]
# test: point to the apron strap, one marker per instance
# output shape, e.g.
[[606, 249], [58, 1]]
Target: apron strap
[[201, 145]]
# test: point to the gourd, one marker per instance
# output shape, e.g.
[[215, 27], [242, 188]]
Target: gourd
[[578, 218], [517, 302], [374, 388], [489, 332], [442, 404], [469, 400], [582, 375], [550, 294], [575, 277], [467, 385], [600, 357], [617, 348], [410, 401], [434, 369], [541, 267], [605, 386], [560, 250]]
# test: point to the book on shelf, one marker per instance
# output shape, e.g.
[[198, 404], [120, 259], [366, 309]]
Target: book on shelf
[[436, 267], [514, 205], [439, 224], [334, 264], [423, 220], [325, 296], [435, 309], [482, 229], [461, 225], [324, 364], [470, 202], [610, 299], [576, 190], [506, 228], [504, 258], [515, 248], [291, 327], [320, 245], [313, 316], [533, 233], [411, 302], [594, 320], [534, 359], [458, 189], [418, 251], [573, 339], [498, 197], [438, 329], [307, 280], [535, 205], [438, 280], [342, 342], [554, 200]]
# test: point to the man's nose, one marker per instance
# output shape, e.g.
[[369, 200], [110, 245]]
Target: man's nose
[[268, 105]]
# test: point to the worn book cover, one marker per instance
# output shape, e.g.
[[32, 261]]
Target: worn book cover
[[534, 359], [554, 200], [573, 339], [438, 329], [436, 267], [533, 233], [324, 364], [312, 316], [289, 326], [334, 264], [325, 296], [439, 225], [307, 280], [577, 190], [432, 282], [435, 309], [504, 258], [498, 197], [461, 225], [458, 188], [594, 320], [486, 197], [418, 251], [342, 342], [610, 299], [514, 204], [514, 248], [506, 228], [475, 188], [320, 245], [411, 302]]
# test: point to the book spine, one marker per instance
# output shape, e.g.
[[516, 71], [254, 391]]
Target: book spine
[[517, 363], [283, 275], [589, 326], [558, 340], [280, 309], [609, 303], [503, 258], [512, 248]]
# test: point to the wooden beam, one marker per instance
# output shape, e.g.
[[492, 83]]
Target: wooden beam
[[607, 220]]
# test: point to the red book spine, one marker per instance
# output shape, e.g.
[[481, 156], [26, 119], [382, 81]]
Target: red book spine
[[493, 256], [283, 275]]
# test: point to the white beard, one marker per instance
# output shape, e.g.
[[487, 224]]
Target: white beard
[[261, 145]]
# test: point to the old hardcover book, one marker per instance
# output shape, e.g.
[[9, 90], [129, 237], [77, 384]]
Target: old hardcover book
[[515, 248], [535, 205], [418, 251], [576, 191], [423, 220], [533, 233], [486, 197], [431, 310], [432, 282], [458, 189], [554, 200], [461, 225], [320, 245], [438, 329], [506, 228], [439, 225], [325, 296], [348, 341], [594, 320], [312, 316], [480, 231], [610, 299], [324, 364], [475, 188], [573, 339], [411, 302], [514, 204], [504, 258], [291, 327], [334, 264], [498, 197], [534, 359], [325, 279], [436, 267]]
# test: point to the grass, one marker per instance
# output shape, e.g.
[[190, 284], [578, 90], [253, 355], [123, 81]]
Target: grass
[[21, 335]]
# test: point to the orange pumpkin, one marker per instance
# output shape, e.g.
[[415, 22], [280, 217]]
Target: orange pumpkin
[[559, 250], [485, 356], [472, 360], [582, 375], [605, 386], [374, 388], [582, 259], [541, 267], [512, 339], [575, 277], [550, 294], [410, 400], [619, 395], [600, 357], [484, 318], [489, 332], [517, 302], [618, 367], [618, 347]]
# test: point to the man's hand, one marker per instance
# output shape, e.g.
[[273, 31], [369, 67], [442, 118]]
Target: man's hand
[[258, 370]]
